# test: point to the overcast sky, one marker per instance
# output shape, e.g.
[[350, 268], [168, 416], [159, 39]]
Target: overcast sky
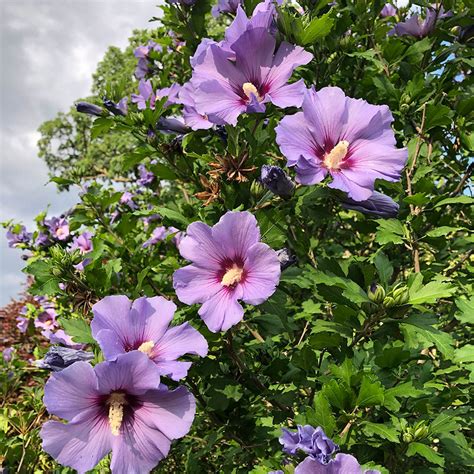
[[49, 50]]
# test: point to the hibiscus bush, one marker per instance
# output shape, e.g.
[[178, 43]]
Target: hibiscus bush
[[269, 267]]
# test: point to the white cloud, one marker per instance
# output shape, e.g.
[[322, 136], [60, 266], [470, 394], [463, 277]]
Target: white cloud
[[49, 50]]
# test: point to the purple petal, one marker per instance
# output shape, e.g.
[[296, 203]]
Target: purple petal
[[290, 95], [71, 391], [263, 267], [295, 139], [286, 60], [169, 411], [133, 372], [222, 311], [80, 444], [194, 284], [236, 232], [200, 247], [310, 171]]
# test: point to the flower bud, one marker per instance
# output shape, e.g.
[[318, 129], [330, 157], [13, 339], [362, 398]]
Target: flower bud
[[421, 432], [277, 181], [256, 189], [401, 296], [90, 109], [376, 293], [286, 258], [58, 358], [407, 437], [171, 125], [378, 205], [389, 302]]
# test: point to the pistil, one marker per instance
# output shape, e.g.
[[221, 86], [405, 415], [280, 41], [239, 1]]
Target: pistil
[[250, 90], [116, 402], [334, 158], [232, 276], [146, 347]]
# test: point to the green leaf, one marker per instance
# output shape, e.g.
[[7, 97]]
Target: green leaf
[[443, 423], [383, 431], [322, 415], [78, 329], [464, 354], [466, 310], [101, 126], [426, 452], [384, 267], [172, 215], [163, 171], [45, 282], [317, 29], [370, 394], [431, 292], [437, 116], [405, 390], [443, 230], [390, 231], [338, 394], [455, 200]]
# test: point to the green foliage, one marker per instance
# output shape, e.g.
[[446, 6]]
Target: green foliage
[[385, 370]]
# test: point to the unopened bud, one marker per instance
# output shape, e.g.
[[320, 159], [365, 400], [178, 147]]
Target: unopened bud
[[286, 258], [421, 432], [90, 109], [376, 293], [277, 181], [389, 302], [401, 296]]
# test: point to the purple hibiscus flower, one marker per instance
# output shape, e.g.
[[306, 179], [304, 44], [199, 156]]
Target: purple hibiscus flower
[[418, 28], [120, 326], [59, 227], [83, 243], [225, 6], [47, 320], [192, 118], [349, 139], [388, 10], [171, 93], [145, 94], [146, 177], [116, 406], [229, 263], [224, 88], [8, 354], [378, 205], [61, 337], [22, 323], [127, 198], [312, 441], [341, 464], [42, 240], [158, 234], [16, 238]]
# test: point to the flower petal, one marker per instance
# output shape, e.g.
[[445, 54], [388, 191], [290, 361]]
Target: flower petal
[[80, 444], [263, 267], [236, 232], [194, 284], [222, 311], [288, 95], [295, 139], [133, 372], [71, 391]]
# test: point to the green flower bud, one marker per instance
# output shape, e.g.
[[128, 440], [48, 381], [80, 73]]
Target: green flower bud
[[407, 437], [401, 296], [256, 189], [421, 432], [389, 302], [376, 293], [56, 271]]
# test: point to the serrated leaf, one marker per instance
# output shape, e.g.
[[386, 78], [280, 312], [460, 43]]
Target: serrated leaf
[[317, 29], [437, 116], [381, 430], [443, 230], [78, 329], [431, 292], [455, 200], [370, 394], [390, 231], [464, 354], [466, 310], [426, 452], [322, 415], [172, 215], [384, 267], [443, 423]]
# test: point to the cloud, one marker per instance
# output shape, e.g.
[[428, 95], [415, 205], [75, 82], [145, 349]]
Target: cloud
[[49, 50]]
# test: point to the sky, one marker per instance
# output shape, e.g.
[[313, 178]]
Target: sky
[[48, 52]]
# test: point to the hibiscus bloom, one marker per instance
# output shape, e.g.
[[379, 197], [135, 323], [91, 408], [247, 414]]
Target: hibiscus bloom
[[116, 406], [415, 26], [83, 243], [120, 326], [341, 464], [349, 139], [229, 264], [225, 88]]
